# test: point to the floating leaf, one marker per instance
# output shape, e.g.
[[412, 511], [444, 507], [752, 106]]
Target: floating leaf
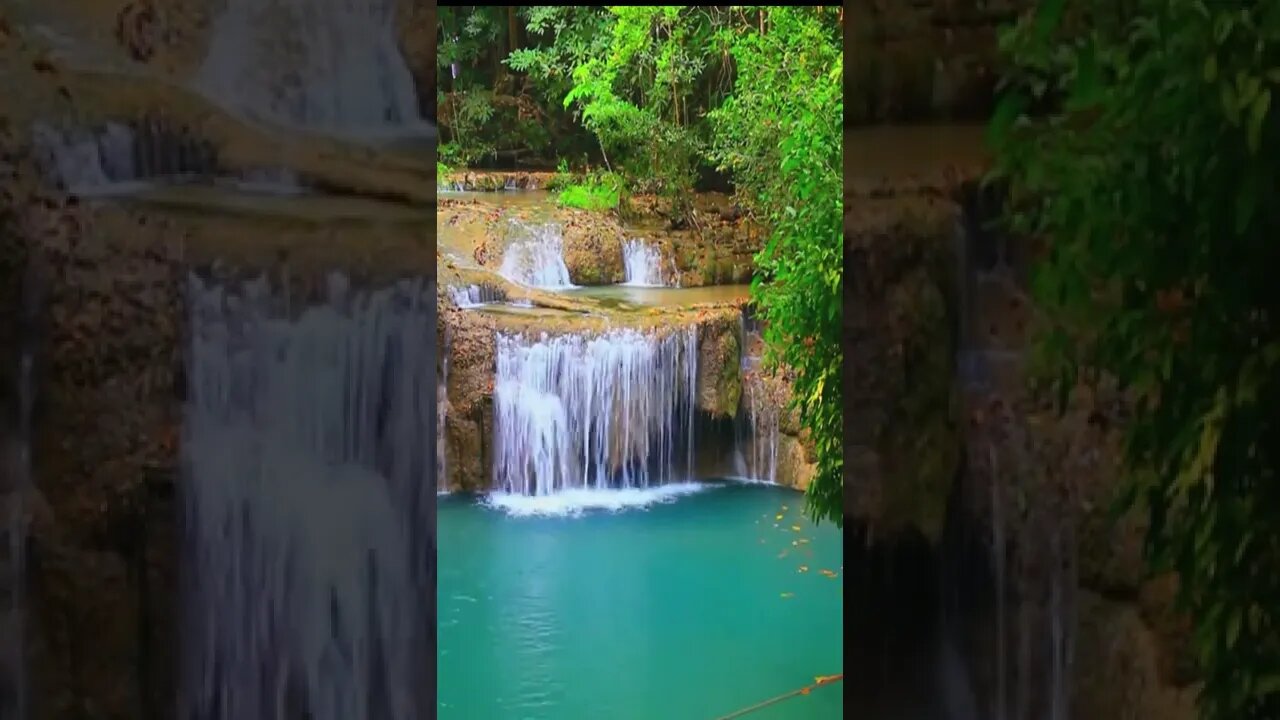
[[803, 568], [788, 595]]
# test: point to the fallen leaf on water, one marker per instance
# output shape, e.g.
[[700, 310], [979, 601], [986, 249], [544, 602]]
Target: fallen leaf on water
[[824, 679], [784, 507], [795, 528], [778, 516], [804, 568], [804, 691], [787, 595], [803, 541], [828, 573], [782, 554]]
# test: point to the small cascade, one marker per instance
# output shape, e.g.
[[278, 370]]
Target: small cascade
[[642, 263], [330, 65], [536, 257], [116, 158], [73, 158], [115, 147], [613, 411], [308, 557], [473, 296], [761, 419]]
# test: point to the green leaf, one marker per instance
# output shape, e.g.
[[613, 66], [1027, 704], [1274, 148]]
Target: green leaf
[[1210, 68], [1257, 115], [1233, 627], [1230, 103]]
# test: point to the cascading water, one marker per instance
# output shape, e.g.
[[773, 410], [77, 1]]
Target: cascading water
[[473, 296], [331, 65], [642, 264], [613, 411], [536, 257], [75, 159], [762, 418], [309, 555], [117, 159]]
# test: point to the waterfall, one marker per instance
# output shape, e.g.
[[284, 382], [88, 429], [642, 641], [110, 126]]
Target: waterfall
[[762, 416], [642, 263], [612, 411], [331, 65], [115, 159], [115, 147], [473, 296], [74, 158], [308, 553], [536, 257]]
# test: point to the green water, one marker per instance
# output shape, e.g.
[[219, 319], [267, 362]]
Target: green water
[[692, 609]]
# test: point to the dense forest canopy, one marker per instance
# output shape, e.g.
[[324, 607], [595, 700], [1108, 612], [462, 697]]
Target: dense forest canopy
[[654, 99]]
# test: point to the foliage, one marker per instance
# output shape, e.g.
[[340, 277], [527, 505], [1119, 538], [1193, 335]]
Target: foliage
[[780, 134], [645, 96], [442, 169], [598, 192], [1155, 183]]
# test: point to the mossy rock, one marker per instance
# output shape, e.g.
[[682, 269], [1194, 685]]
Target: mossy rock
[[719, 369], [593, 248]]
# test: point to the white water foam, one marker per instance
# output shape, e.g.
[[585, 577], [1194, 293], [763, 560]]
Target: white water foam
[[306, 460], [536, 257], [642, 264], [331, 65], [577, 502]]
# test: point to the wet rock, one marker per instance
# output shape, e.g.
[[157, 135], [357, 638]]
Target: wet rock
[[719, 362], [593, 248]]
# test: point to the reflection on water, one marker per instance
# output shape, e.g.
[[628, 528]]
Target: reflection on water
[[616, 295], [521, 199]]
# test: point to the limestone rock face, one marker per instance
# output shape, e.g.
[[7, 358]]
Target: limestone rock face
[[107, 366], [902, 443], [928, 60], [468, 426], [719, 363], [592, 248]]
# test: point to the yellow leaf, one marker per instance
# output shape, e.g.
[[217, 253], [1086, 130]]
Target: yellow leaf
[[804, 568], [778, 516], [796, 528]]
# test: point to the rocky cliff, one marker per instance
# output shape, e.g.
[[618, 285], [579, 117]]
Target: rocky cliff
[[945, 441]]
